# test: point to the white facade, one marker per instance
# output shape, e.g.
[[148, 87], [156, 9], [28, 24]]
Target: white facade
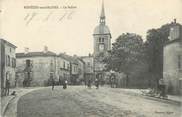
[[8, 63]]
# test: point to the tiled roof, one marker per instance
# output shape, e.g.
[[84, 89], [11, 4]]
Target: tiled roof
[[69, 58], [33, 54]]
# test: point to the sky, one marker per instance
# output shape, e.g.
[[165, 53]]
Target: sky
[[70, 30]]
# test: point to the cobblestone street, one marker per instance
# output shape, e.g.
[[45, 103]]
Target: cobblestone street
[[78, 101]]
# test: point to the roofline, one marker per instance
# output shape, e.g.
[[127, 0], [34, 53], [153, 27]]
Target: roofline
[[103, 34], [86, 57], [35, 56], [173, 41], [27, 55], [9, 43]]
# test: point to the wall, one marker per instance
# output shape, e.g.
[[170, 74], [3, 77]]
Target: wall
[[89, 62], [2, 63], [10, 69], [171, 71], [63, 71], [81, 70], [107, 43], [42, 67]]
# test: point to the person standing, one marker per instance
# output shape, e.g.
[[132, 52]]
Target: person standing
[[162, 88], [65, 84], [7, 87], [97, 83], [89, 83], [53, 83], [60, 80]]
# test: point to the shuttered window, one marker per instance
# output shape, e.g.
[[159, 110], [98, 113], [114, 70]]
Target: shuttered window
[[179, 62]]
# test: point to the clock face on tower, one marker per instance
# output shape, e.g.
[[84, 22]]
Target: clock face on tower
[[101, 47]]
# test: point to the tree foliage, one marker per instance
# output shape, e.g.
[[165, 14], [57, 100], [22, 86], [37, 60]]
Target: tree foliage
[[126, 51], [156, 39]]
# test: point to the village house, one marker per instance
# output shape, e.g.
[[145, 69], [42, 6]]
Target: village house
[[73, 68], [74, 71], [8, 64], [81, 69], [36, 68], [89, 67], [172, 66], [63, 68]]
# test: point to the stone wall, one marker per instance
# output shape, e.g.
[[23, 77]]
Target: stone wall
[[171, 71], [42, 67]]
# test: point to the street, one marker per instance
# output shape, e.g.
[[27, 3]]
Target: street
[[79, 101]]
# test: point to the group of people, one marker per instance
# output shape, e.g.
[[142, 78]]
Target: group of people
[[65, 83], [162, 89], [89, 83]]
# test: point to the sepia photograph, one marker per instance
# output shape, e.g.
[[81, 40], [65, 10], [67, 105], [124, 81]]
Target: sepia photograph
[[91, 58]]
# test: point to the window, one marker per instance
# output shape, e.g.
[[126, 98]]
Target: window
[[8, 60], [51, 63], [100, 40], [88, 64], [75, 68], [179, 62], [68, 66], [64, 64], [13, 62]]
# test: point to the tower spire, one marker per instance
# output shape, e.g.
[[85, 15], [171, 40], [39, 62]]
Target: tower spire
[[102, 16]]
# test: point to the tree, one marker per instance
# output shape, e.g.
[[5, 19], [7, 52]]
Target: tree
[[156, 39], [126, 52]]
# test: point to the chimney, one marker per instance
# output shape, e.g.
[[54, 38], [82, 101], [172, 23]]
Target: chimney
[[26, 50], [75, 55], [45, 49], [89, 55], [175, 21]]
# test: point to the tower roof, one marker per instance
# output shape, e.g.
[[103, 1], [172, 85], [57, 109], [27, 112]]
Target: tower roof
[[102, 28], [102, 11]]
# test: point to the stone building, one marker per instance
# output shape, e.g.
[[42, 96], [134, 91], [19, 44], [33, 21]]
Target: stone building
[[172, 66], [102, 44], [36, 68], [74, 70], [89, 67], [63, 68], [81, 69], [8, 64]]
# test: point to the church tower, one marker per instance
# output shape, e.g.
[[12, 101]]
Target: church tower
[[102, 36], [102, 44]]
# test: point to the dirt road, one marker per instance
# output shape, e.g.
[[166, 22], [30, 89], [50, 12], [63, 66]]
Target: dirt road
[[78, 101]]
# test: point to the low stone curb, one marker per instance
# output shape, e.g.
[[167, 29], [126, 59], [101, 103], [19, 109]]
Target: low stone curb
[[6, 105], [16, 99], [169, 101], [163, 100]]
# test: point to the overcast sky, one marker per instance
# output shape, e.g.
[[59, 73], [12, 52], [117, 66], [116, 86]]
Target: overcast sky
[[70, 30]]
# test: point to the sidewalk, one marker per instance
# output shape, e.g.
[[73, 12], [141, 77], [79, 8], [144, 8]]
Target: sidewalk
[[10, 111], [4, 103], [174, 98]]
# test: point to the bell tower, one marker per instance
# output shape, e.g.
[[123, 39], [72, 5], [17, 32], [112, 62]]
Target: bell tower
[[102, 43], [102, 36]]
